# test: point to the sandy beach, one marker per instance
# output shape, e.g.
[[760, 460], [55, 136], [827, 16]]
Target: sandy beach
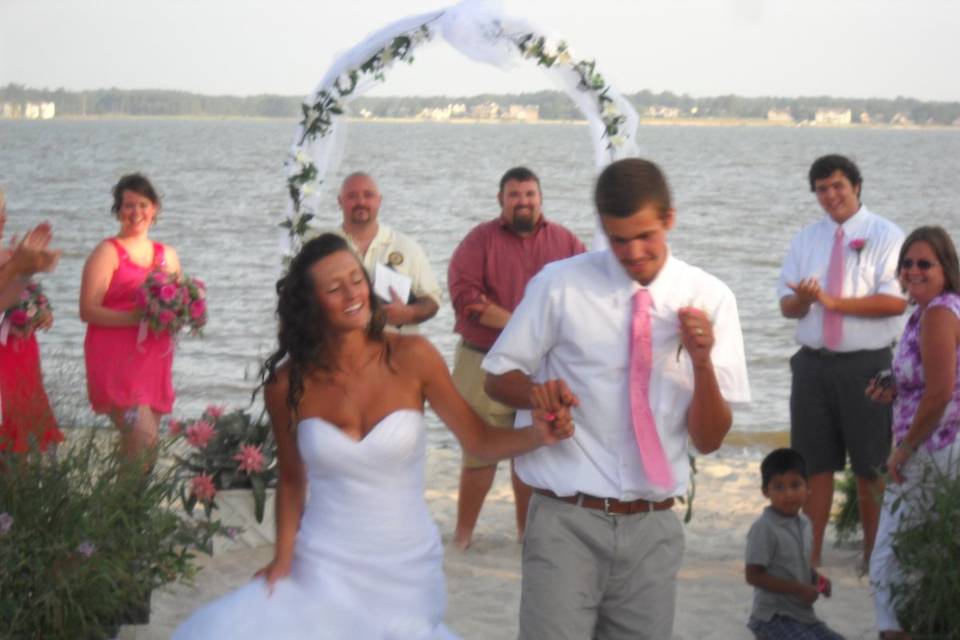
[[483, 584]]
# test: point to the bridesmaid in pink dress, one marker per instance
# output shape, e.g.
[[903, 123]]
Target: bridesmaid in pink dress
[[128, 374], [24, 407]]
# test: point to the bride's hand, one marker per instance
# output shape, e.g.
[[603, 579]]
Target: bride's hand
[[552, 427], [273, 572]]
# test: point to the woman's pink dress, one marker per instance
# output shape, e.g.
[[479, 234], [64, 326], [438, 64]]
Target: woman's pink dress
[[25, 407], [122, 372]]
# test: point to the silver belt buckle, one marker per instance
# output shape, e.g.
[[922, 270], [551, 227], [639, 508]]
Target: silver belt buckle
[[606, 506]]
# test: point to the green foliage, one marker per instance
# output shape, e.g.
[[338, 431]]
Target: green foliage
[[85, 537], [220, 457], [846, 520], [928, 548]]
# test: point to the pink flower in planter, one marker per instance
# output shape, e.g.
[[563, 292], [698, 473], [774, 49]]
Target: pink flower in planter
[[175, 427], [86, 548], [214, 410], [202, 487], [250, 459], [200, 433]]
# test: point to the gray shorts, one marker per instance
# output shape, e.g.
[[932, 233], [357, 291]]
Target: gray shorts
[[830, 416]]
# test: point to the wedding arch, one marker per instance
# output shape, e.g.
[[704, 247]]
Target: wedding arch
[[480, 32]]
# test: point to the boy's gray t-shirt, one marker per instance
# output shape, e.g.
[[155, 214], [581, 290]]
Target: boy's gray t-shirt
[[783, 545]]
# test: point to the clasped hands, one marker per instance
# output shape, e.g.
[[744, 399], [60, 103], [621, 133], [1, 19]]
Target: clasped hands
[[551, 402], [808, 291]]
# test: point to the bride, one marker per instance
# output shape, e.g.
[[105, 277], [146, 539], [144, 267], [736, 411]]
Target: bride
[[357, 554]]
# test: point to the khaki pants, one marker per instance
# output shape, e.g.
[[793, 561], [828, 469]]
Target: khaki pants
[[590, 576], [468, 378]]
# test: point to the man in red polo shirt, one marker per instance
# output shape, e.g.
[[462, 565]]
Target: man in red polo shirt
[[487, 275]]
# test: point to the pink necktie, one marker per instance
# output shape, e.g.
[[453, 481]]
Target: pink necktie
[[655, 463], [833, 320]]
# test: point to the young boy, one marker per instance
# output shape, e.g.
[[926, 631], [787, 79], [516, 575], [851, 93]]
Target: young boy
[[779, 549]]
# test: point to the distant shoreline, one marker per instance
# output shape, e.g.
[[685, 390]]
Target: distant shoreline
[[644, 122]]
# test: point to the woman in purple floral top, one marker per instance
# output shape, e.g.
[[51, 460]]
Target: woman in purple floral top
[[926, 397]]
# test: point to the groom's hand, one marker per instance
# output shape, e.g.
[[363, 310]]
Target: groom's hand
[[552, 396]]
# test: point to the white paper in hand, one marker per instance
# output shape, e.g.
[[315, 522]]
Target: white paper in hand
[[385, 278]]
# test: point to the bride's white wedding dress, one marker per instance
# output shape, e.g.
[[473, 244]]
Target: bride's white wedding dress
[[367, 560]]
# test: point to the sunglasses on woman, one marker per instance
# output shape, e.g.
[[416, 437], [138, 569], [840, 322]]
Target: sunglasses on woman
[[923, 265]]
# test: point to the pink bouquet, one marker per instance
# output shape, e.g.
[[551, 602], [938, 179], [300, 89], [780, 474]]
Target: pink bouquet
[[28, 314], [172, 302]]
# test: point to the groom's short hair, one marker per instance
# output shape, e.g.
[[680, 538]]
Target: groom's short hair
[[627, 186]]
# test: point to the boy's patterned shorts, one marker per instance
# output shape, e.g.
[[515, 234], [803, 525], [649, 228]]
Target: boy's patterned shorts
[[785, 628]]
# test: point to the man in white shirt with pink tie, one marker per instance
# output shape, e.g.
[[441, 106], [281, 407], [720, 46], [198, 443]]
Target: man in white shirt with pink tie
[[839, 281], [647, 353]]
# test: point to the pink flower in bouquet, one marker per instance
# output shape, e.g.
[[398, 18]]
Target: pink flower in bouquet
[[202, 487], [214, 410], [19, 318], [166, 317], [250, 459], [200, 433], [175, 427], [154, 308], [168, 292], [197, 309]]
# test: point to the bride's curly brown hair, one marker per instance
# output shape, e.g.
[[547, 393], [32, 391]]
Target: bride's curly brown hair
[[304, 338]]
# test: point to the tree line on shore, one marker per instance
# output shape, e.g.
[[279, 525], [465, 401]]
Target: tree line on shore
[[553, 105]]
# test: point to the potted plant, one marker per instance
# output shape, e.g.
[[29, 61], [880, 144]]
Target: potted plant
[[86, 536], [229, 464]]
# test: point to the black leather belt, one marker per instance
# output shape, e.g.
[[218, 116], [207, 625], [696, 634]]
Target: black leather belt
[[826, 353]]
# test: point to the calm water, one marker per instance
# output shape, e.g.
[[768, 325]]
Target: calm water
[[740, 194]]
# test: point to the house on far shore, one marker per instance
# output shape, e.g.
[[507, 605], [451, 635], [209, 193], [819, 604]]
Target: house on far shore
[[28, 110], [833, 116], [39, 110], [10, 110], [522, 113], [485, 111], [779, 115], [658, 111], [901, 119]]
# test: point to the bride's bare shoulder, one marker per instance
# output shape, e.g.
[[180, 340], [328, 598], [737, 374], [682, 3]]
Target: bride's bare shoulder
[[412, 351]]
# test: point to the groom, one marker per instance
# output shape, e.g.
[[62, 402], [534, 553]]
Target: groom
[[647, 352]]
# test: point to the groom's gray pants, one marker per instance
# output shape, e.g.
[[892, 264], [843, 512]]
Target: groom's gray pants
[[591, 576]]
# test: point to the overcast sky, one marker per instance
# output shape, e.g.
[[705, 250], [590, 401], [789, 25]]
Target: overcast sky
[[850, 48]]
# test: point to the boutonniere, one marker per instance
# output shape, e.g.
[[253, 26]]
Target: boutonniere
[[857, 245]]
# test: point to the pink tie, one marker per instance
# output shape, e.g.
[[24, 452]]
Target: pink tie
[[833, 320], [655, 463]]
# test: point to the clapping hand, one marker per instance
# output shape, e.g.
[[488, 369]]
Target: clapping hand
[[31, 255], [807, 290]]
